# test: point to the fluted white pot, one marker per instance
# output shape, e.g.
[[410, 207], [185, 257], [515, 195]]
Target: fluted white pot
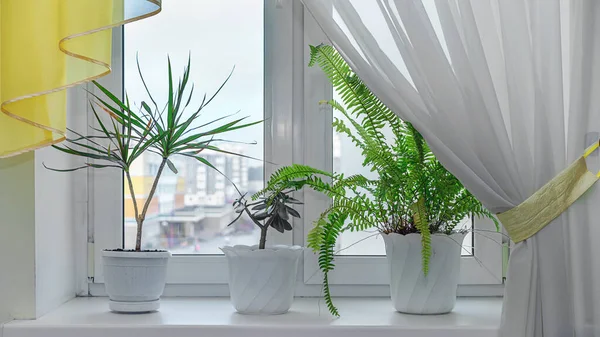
[[262, 281], [134, 281], [414, 293]]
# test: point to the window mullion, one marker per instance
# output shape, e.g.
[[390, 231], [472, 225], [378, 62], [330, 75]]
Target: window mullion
[[105, 211], [318, 151], [279, 94]]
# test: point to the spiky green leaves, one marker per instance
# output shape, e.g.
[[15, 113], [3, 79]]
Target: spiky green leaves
[[166, 131], [129, 132], [116, 145], [181, 132]]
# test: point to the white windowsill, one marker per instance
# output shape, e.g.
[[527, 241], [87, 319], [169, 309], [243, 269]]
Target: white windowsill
[[193, 317]]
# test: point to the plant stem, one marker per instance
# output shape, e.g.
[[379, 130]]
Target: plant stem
[[263, 237], [135, 206], [140, 219], [263, 229]]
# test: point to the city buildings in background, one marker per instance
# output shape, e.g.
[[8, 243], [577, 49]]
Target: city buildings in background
[[191, 210]]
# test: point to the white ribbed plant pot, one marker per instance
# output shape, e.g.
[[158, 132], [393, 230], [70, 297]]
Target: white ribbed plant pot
[[134, 281], [414, 293], [262, 281]]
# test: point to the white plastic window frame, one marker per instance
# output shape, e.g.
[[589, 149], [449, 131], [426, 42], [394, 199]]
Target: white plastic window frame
[[297, 130], [106, 186], [481, 274]]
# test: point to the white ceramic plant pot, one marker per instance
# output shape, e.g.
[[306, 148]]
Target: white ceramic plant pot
[[134, 281], [413, 292], [262, 281]]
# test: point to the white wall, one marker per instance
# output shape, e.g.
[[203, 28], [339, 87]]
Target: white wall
[[17, 237], [60, 216], [37, 260], [43, 228], [54, 233]]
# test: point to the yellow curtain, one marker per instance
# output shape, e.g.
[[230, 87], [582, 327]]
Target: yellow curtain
[[47, 46]]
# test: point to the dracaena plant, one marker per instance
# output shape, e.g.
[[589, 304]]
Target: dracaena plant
[[413, 192], [164, 129], [268, 210]]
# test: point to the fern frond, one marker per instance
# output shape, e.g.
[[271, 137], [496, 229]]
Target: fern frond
[[340, 127], [379, 155], [284, 178], [420, 219], [327, 296], [314, 239], [329, 237], [354, 92], [355, 180]]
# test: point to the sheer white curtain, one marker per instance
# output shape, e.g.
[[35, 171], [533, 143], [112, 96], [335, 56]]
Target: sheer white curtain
[[505, 92]]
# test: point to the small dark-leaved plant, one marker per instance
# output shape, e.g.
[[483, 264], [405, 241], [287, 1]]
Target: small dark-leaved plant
[[269, 210]]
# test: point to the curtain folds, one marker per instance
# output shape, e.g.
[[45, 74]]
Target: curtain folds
[[48, 46], [505, 93]]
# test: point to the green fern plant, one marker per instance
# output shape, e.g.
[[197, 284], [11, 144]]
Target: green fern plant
[[413, 193]]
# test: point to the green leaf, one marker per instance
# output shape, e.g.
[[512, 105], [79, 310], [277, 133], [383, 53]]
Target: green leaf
[[64, 170], [181, 91], [260, 216], [259, 206], [190, 96], [170, 103], [87, 138], [141, 147], [135, 119], [137, 61], [172, 166], [209, 164], [218, 90], [293, 212], [221, 129], [420, 220], [216, 149], [74, 152], [99, 150], [104, 130]]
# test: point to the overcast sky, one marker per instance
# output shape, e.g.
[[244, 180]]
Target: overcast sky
[[220, 35]]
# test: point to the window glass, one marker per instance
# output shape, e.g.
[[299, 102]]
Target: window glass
[[190, 212]]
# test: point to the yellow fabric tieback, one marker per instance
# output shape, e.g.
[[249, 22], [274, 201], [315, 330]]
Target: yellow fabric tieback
[[533, 214], [47, 46]]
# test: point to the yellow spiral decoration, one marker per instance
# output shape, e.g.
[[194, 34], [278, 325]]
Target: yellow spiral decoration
[[47, 46]]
